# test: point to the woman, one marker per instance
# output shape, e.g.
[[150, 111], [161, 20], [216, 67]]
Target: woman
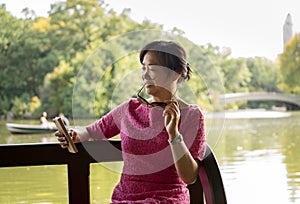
[[163, 137]]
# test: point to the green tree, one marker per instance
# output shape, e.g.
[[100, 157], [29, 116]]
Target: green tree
[[264, 74], [25, 57], [75, 24], [77, 28], [5, 105], [56, 94], [289, 65], [236, 75], [19, 107], [10, 85]]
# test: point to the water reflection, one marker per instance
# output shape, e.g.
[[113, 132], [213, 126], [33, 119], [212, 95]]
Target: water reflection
[[259, 160]]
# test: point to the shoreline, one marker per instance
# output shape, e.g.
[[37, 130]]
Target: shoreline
[[248, 114]]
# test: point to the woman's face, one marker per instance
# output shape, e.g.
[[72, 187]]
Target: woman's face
[[155, 76]]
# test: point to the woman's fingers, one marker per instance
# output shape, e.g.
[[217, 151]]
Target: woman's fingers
[[172, 108], [63, 142], [73, 134], [63, 145], [172, 116], [61, 139], [58, 134]]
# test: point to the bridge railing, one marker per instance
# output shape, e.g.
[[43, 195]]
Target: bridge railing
[[259, 96]]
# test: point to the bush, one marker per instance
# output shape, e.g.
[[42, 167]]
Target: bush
[[19, 107]]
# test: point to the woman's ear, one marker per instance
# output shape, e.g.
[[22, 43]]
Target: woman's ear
[[177, 77]]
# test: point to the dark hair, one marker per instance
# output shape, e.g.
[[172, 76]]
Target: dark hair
[[170, 54]]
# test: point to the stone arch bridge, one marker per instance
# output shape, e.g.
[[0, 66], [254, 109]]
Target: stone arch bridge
[[260, 96]]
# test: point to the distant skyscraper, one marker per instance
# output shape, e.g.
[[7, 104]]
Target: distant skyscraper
[[287, 29]]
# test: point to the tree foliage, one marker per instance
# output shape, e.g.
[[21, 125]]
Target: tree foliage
[[264, 74], [25, 57], [73, 61], [289, 65]]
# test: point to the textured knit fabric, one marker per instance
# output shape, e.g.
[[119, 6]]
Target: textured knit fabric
[[149, 174]]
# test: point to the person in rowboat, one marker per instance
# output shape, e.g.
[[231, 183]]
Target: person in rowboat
[[43, 119], [64, 119]]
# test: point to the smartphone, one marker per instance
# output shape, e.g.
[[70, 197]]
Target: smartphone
[[61, 127]]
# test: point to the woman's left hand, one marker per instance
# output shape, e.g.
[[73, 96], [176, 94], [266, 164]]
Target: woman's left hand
[[172, 116]]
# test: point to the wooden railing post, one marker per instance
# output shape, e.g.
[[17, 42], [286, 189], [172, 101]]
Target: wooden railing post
[[79, 182], [78, 165]]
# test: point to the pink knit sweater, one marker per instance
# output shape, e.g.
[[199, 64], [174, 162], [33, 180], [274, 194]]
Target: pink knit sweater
[[149, 174]]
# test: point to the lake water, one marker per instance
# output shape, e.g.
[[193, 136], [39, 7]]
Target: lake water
[[259, 158]]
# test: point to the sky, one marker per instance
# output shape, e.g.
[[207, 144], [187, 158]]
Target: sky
[[249, 28]]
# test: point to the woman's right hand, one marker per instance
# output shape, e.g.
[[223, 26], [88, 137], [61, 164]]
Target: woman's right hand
[[62, 139]]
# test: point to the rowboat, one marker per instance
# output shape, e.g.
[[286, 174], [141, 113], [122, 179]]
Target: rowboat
[[29, 129]]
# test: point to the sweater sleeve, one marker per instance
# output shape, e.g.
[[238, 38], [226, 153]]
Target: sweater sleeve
[[198, 147], [109, 125]]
